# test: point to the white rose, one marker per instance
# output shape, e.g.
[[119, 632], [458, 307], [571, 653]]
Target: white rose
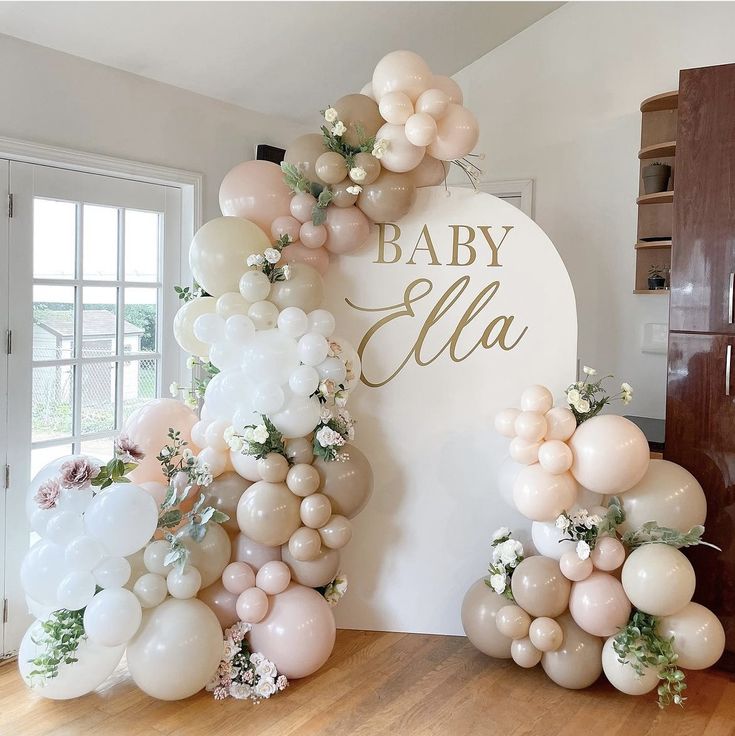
[[254, 260], [339, 129], [260, 434], [589, 371], [235, 444], [330, 115], [562, 522], [190, 362], [266, 669], [503, 531], [582, 406], [573, 396], [240, 691], [627, 388], [583, 549], [187, 454], [327, 437], [354, 189], [265, 688], [509, 551], [357, 174], [497, 583], [272, 255], [228, 434], [256, 658]]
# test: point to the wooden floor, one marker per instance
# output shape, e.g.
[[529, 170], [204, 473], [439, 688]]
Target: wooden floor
[[377, 683]]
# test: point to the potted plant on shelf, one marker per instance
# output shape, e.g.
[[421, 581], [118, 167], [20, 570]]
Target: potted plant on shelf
[[656, 177], [656, 278]]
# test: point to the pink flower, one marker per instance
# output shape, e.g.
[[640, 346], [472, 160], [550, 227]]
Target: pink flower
[[221, 693], [127, 451], [282, 682], [47, 494], [78, 473]]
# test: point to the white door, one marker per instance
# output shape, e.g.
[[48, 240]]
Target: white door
[[91, 264]]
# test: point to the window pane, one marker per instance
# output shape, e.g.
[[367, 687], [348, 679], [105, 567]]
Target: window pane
[[141, 245], [100, 449], [54, 239], [99, 321], [100, 242], [44, 455], [53, 322], [139, 384], [141, 329], [98, 397], [53, 391]]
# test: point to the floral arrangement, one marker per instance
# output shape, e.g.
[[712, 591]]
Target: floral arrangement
[[257, 440], [336, 428], [243, 674], [585, 528], [507, 555], [334, 591], [62, 633], [267, 261], [587, 398]]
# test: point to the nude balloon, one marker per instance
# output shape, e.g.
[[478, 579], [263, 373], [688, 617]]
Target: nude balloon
[[304, 544], [254, 553], [560, 423], [311, 235], [540, 496], [420, 129], [238, 577], [573, 568], [577, 663], [524, 452], [361, 116], [224, 493], [456, 136], [699, 637], [599, 605], [210, 555], [450, 88], [302, 206], [347, 229], [434, 102], [611, 454], [667, 494], [298, 632], [285, 225], [268, 513], [555, 456], [505, 422], [530, 426], [316, 510], [303, 153], [513, 621], [388, 198], [402, 71], [396, 107], [539, 587], [608, 554], [401, 155], [303, 479], [347, 484], [316, 258], [623, 677], [479, 610], [337, 532], [545, 634], [303, 289], [658, 579], [524, 653], [429, 173], [252, 605], [273, 578], [313, 573]]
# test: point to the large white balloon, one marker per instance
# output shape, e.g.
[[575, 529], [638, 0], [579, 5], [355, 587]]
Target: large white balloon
[[304, 381], [112, 572], [299, 417], [122, 518], [42, 570], [75, 590], [549, 541], [313, 348], [83, 553], [293, 322], [112, 617], [270, 356]]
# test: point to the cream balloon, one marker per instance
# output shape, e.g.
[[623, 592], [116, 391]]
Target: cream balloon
[[577, 663], [337, 532], [479, 611], [530, 426], [513, 622], [658, 579], [524, 653], [699, 637], [253, 553], [184, 320], [396, 108], [273, 578], [112, 617], [303, 479], [573, 568], [450, 88], [313, 573], [539, 588], [268, 513], [210, 555], [598, 604], [303, 289], [623, 677], [150, 589], [523, 452], [219, 251], [545, 634], [176, 650], [305, 544], [434, 102], [560, 423], [555, 456], [184, 583], [401, 155], [608, 554], [420, 129], [273, 468], [252, 605], [537, 398], [540, 496], [402, 71], [456, 136], [316, 510], [231, 303]]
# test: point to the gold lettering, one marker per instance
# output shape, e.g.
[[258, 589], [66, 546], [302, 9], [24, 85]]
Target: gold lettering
[[485, 230], [428, 249], [382, 242], [466, 244]]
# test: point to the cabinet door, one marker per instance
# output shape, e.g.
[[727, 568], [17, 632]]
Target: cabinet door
[[700, 435], [703, 251]]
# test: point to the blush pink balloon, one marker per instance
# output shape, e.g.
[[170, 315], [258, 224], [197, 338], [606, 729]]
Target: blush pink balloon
[[255, 190], [317, 258], [273, 578], [450, 88], [540, 496], [608, 554], [237, 577], [555, 456], [401, 155], [286, 225], [255, 554], [420, 129], [347, 229], [434, 102], [599, 605], [221, 601], [252, 605], [298, 633], [505, 422], [312, 236], [573, 568], [301, 206], [148, 428], [457, 134], [523, 451], [157, 490]]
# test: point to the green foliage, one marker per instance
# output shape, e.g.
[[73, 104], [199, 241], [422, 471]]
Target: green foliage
[[652, 533], [62, 632], [640, 646], [587, 398], [114, 472], [143, 316], [186, 294], [295, 179], [273, 443]]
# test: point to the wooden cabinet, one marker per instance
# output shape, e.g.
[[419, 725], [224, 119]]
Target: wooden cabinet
[[700, 401]]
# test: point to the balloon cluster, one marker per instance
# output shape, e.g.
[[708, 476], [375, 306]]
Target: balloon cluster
[[608, 590]]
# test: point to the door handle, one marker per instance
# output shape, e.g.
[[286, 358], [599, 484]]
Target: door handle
[[730, 298], [728, 361]]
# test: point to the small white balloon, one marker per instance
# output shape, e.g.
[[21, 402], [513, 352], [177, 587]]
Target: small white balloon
[[112, 617], [154, 556], [322, 322], [239, 328], [40, 519], [112, 572], [83, 553], [268, 398], [63, 527], [312, 348], [304, 380], [549, 541], [184, 583], [150, 589], [231, 302], [41, 570], [332, 369], [293, 322], [75, 590], [225, 355], [198, 432], [299, 417], [75, 500], [254, 286], [209, 328], [214, 436], [264, 315]]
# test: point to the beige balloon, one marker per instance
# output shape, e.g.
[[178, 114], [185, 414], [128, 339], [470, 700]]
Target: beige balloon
[[396, 108], [479, 609], [313, 573], [303, 153], [219, 252], [599, 605], [623, 677], [555, 456], [255, 554], [305, 544], [224, 493], [303, 289], [303, 479], [658, 579], [540, 496], [505, 422], [577, 663], [361, 116], [211, 555], [337, 532], [608, 554], [331, 167], [184, 324], [370, 165], [524, 653], [299, 450], [667, 494], [429, 173], [316, 510], [513, 621], [273, 468], [574, 568], [268, 513], [388, 198], [545, 634], [434, 102], [699, 637], [176, 650], [221, 602], [537, 398], [348, 484], [539, 587], [341, 197]]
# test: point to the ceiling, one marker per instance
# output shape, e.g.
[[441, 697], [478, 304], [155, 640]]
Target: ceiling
[[274, 57]]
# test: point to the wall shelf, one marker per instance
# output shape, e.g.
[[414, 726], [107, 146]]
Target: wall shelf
[[658, 150], [650, 291], [665, 101], [653, 244], [656, 198]]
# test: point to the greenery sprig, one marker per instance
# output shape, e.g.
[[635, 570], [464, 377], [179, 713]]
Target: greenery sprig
[[640, 646], [652, 533], [114, 472], [588, 397], [262, 439], [62, 633], [298, 183], [187, 294]]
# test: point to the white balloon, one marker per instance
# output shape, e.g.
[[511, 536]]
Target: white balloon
[[226, 355], [112, 617], [322, 322], [184, 583], [112, 572], [37, 610], [75, 590], [268, 398], [270, 356], [312, 348], [245, 466], [93, 666], [150, 589], [332, 369], [299, 417], [209, 328], [549, 541], [293, 322], [304, 380], [122, 518], [507, 474], [198, 432], [216, 459], [587, 499], [41, 572], [214, 435], [264, 315], [83, 553], [254, 286], [63, 527], [239, 328], [218, 396], [244, 416], [75, 500], [40, 519], [154, 557], [230, 303]]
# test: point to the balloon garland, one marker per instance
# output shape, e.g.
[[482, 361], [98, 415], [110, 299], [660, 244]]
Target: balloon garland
[[208, 548], [608, 589]]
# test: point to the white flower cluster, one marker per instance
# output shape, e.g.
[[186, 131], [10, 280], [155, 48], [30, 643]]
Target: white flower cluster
[[575, 399], [577, 525], [336, 589], [627, 391], [327, 437], [380, 147], [507, 554]]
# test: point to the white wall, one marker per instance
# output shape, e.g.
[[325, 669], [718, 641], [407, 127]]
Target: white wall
[[50, 97], [559, 103]]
